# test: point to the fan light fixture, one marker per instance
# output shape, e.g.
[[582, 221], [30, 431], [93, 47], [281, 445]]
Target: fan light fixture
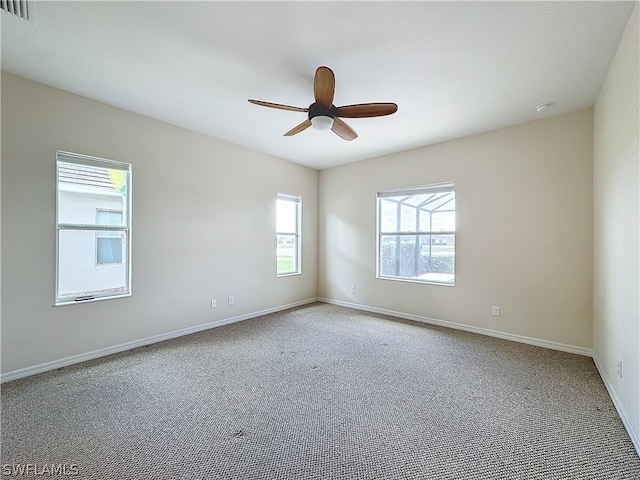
[[322, 122]]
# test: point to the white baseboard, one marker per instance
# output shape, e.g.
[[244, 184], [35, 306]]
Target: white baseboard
[[83, 357], [467, 328], [624, 416]]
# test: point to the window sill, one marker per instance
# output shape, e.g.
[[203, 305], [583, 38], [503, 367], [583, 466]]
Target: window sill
[[443, 279], [89, 300]]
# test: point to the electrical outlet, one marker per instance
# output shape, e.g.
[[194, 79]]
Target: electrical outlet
[[214, 303], [620, 368], [353, 289], [495, 311], [230, 300]]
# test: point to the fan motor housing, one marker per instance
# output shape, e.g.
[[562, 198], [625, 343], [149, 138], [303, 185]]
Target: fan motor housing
[[318, 109]]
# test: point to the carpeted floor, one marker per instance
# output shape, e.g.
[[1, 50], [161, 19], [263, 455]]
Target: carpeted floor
[[321, 392]]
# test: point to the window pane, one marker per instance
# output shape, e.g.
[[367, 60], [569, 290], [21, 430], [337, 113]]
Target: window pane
[[409, 256], [398, 255], [407, 218], [419, 257], [419, 213], [437, 258], [82, 190], [388, 215], [388, 255], [425, 221], [443, 222], [442, 201], [416, 199], [287, 254], [286, 216], [78, 274]]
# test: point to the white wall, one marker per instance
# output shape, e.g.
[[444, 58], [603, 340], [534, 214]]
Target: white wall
[[524, 230], [203, 226], [616, 191]]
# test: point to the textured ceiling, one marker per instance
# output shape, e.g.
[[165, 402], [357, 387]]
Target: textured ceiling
[[453, 68]]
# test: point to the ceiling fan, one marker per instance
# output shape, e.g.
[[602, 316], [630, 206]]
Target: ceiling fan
[[324, 115]]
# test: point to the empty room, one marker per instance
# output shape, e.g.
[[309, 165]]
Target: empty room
[[320, 240]]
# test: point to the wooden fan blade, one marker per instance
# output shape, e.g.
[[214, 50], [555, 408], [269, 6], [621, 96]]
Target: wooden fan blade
[[363, 110], [343, 130], [324, 85], [279, 106], [297, 129]]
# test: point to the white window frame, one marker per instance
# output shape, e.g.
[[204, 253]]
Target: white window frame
[[411, 191], [125, 229], [297, 234]]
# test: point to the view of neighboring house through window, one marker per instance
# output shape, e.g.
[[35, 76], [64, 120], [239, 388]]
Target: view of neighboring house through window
[[109, 244], [416, 234], [288, 216], [93, 228]]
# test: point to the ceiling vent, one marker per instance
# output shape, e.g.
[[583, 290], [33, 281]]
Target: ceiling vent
[[16, 7]]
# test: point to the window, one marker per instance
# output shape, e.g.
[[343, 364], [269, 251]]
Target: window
[[93, 218], [288, 214], [416, 234]]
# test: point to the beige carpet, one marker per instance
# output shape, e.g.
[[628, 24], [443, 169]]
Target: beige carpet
[[321, 392]]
